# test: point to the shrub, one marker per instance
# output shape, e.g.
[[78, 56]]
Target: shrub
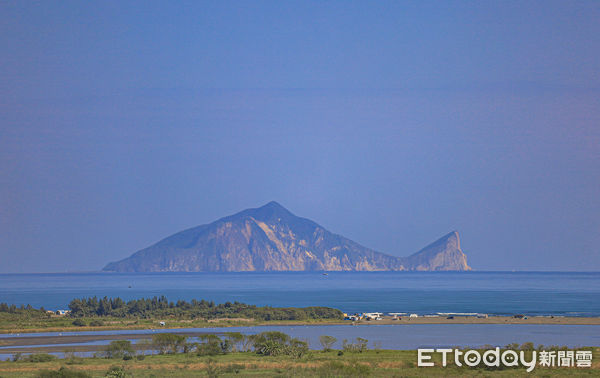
[[297, 348], [96, 323], [168, 342], [276, 343], [233, 368], [116, 372], [119, 349], [226, 346], [210, 348], [79, 323], [63, 372], [212, 370], [211, 345], [39, 357], [340, 369], [359, 346]]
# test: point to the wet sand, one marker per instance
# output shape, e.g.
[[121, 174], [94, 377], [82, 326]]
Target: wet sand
[[34, 341]]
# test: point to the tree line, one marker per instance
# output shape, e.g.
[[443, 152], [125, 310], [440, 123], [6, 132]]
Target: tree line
[[27, 310], [269, 343], [161, 307]]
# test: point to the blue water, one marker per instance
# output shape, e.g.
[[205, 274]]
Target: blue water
[[398, 336], [533, 293]]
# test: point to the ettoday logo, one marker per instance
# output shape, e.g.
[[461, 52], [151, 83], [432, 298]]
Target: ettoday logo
[[508, 358]]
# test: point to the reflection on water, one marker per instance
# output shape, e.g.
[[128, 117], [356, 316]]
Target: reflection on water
[[395, 336]]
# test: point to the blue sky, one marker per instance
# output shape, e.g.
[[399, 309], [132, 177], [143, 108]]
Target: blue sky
[[391, 123]]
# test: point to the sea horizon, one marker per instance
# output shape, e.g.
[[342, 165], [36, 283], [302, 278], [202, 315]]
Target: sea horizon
[[494, 293]]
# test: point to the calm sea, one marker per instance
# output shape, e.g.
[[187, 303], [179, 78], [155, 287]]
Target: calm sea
[[533, 293]]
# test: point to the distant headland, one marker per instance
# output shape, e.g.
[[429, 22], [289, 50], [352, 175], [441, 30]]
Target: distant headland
[[271, 238]]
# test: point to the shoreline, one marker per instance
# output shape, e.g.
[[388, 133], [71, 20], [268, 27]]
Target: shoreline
[[494, 319], [97, 341], [386, 320]]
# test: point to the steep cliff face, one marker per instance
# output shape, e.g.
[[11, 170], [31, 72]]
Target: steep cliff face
[[442, 254], [269, 238]]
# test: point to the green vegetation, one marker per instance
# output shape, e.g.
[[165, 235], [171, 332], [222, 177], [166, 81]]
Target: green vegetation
[[369, 363], [265, 354], [119, 349], [115, 313], [327, 342], [63, 372], [276, 343], [358, 347], [161, 307], [168, 342], [37, 357]]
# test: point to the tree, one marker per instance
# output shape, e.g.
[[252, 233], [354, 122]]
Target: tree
[[119, 349], [327, 342], [211, 345], [236, 339], [168, 342], [361, 344], [297, 348]]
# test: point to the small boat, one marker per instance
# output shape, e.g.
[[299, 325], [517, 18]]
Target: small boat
[[325, 274]]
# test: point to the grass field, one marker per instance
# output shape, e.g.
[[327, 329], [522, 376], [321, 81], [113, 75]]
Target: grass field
[[12, 323], [372, 363], [17, 324]]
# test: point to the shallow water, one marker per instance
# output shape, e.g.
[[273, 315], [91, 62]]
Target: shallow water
[[398, 336]]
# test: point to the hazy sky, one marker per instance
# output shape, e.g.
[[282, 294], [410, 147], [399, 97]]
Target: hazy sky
[[391, 123]]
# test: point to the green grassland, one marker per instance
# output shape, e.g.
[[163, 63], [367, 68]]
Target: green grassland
[[115, 313], [371, 363], [17, 323]]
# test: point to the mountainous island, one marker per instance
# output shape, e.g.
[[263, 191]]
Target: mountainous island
[[270, 238]]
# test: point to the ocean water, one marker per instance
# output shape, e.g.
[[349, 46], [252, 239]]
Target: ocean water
[[504, 293]]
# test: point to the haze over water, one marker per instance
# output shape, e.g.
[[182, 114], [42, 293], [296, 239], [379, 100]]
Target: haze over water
[[533, 293]]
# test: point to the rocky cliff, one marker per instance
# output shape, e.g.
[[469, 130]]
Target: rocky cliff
[[442, 254], [270, 238]]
